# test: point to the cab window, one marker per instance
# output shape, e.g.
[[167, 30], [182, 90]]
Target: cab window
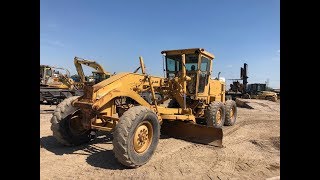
[[173, 65], [191, 62], [204, 73]]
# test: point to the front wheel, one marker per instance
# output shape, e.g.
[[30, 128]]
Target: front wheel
[[215, 114], [136, 136]]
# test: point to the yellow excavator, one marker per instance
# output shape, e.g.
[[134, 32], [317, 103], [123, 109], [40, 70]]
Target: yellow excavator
[[99, 75], [193, 108]]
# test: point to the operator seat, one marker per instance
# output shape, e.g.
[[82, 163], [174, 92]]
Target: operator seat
[[191, 85]]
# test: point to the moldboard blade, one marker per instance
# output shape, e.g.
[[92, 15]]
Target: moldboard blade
[[193, 132]]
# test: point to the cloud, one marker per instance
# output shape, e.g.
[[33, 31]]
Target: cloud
[[229, 66], [278, 51]]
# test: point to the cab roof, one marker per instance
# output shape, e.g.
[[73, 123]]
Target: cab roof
[[188, 51]]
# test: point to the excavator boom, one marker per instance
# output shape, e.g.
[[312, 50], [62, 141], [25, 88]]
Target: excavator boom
[[79, 61]]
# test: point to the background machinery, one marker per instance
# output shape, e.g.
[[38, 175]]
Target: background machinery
[[259, 91], [248, 91], [193, 108], [97, 76], [56, 86], [238, 89]]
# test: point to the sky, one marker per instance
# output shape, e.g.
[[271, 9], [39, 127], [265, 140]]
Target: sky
[[116, 33]]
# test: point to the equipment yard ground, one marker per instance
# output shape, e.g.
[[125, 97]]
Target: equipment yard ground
[[251, 151]]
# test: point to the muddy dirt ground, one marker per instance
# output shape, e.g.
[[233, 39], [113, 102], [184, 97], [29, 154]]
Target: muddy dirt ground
[[252, 151]]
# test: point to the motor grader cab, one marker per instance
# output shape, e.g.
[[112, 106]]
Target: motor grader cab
[[194, 68], [196, 111], [45, 74]]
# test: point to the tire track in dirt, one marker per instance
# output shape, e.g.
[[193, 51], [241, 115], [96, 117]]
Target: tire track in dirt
[[238, 125], [251, 152], [242, 158], [247, 165], [190, 161], [180, 145]]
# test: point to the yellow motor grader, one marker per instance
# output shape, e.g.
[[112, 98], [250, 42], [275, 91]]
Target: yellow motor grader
[[193, 107]]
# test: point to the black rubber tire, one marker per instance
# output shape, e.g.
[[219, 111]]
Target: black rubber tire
[[228, 120], [210, 114], [60, 124], [124, 133]]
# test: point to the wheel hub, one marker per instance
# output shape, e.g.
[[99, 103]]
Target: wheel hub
[[143, 137], [231, 113], [218, 116]]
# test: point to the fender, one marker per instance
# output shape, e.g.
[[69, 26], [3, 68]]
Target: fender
[[117, 93]]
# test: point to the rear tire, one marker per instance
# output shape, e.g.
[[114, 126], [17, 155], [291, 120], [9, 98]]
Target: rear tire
[[231, 113], [136, 136], [65, 124], [215, 114]]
